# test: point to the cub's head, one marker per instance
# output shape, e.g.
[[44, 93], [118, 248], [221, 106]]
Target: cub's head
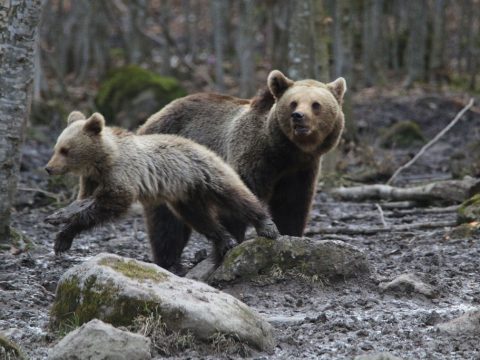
[[79, 146], [308, 112]]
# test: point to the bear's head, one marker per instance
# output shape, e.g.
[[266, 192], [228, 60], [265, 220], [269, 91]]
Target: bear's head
[[80, 146], [308, 112]]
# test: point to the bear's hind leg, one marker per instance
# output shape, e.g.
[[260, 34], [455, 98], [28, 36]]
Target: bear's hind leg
[[168, 235]]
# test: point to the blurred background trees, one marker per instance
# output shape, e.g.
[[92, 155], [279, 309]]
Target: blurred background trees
[[230, 45]]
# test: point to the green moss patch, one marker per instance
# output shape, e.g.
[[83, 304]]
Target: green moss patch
[[469, 210], [134, 270], [78, 303], [126, 83], [402, 134]]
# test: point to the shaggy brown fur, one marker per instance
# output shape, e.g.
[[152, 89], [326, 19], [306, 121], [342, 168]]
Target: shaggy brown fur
[[118, 168], [274, 142]]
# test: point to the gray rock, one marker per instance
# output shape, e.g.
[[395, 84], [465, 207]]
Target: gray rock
[[378, 356], [117, 290], [468, 323], [97, 340], [325, 259], [409, 283]]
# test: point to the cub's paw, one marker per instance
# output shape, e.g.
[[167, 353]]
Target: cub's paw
[[63, 241], [268, 229]]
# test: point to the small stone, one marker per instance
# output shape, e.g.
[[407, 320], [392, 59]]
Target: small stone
[[468, 323], [407, 284], [97, 340], [377, 356]]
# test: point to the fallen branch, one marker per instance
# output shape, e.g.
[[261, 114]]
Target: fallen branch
[[382, 216], [49, 194], [448, 191], [431, 142], [397, 213], [354, 230]]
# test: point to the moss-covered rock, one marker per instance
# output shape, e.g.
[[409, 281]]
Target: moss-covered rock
[[402, 134], [329, 259], [464, 231], [130, 94], [9, 350], [469, 210], [118, 290]]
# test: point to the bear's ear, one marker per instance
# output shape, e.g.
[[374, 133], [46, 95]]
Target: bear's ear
[[94, 124], [278, 83], [74, 116], [338, 88]]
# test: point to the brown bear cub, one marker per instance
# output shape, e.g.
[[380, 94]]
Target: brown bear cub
[[118, 168], [274, 142]]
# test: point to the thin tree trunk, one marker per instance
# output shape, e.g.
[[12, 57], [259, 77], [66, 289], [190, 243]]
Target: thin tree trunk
[[245, 44], [301, 45], [218, 10], [416, 41], [436, 55], [18, 34], [322, 30]]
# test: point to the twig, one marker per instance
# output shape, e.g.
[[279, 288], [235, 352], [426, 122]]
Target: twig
[[44, 192], [351, 230], [431, 142], [382, 216]]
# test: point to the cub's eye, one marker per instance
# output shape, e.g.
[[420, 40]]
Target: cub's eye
[[293, 105], [64, 151], [316, 106]]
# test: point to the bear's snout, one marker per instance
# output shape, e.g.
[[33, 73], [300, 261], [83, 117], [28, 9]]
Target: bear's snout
[[48, 170], [298, 116]]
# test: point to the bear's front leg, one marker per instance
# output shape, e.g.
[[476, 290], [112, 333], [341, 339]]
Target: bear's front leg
[[104, 207]]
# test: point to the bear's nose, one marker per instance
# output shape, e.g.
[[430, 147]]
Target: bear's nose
[[297, 116], [48, 170]]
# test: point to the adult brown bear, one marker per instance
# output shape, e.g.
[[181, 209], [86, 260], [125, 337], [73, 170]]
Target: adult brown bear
[[274, 141]]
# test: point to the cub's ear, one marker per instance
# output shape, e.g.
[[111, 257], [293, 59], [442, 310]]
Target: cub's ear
[[74, 116], [338, 89], [278, 83], [94, 124]]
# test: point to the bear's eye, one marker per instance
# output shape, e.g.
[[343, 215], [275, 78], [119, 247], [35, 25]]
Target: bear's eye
[[316, 106], [64, 151], [293, 105]]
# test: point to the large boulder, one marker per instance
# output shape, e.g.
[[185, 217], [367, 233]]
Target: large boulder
[[118, 290], [328, 259], [97, 340]]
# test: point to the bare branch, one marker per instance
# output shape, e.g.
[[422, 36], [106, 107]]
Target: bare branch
[[431, 142]]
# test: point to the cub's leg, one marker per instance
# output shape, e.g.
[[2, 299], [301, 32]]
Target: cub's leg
[[235, 227], [291, 201], [200, 215], [104, 207], [168, 235]]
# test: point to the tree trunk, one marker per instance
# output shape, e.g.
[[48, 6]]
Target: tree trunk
[[322, 25], [18, 34], [245, 47], [416, 41], [301, 44], [436, 55], [218, 8]]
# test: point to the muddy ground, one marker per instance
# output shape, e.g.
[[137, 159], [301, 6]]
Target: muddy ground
[[312, 320]]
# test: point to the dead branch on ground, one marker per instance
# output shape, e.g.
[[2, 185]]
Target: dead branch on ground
[[431, 142], [448, 191]]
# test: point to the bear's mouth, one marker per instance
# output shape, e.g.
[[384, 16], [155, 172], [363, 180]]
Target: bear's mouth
[[301, 130]]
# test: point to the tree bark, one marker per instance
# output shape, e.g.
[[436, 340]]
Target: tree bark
[[301, 44], [18, 33], [218, 9], [245, 48]]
